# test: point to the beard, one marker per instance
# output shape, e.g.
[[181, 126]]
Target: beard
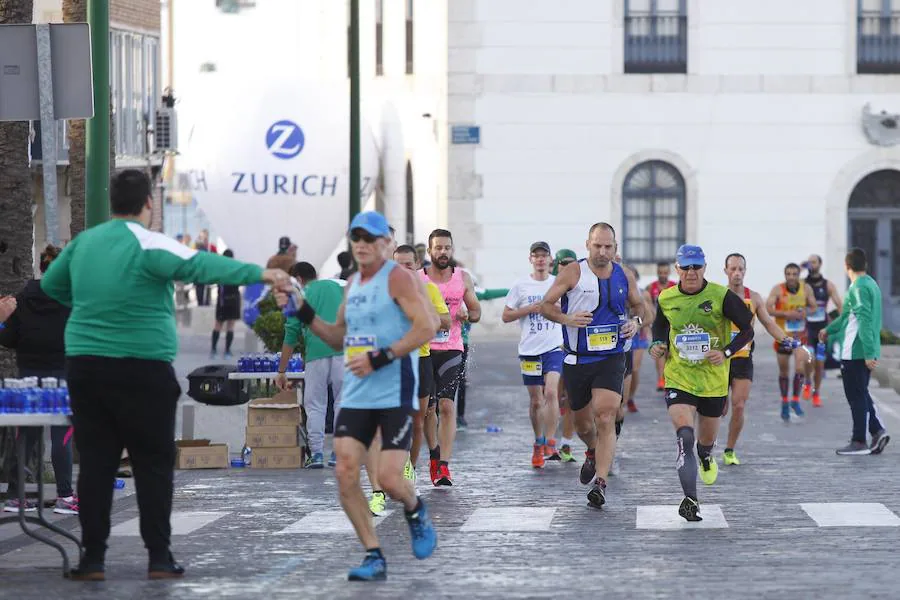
[[441, 262]]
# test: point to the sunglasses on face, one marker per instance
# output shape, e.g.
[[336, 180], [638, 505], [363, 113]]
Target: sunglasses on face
[[691, 267], [358, 235]]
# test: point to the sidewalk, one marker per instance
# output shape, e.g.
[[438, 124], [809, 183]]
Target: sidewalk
[[774, 527]]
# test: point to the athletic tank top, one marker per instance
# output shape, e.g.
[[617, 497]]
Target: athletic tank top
[[789, 301], [374, 320], [656, 289], [747, 350], [453, 292], [820, 291], [606, 300]]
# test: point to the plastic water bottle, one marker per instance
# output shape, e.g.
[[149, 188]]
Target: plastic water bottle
[[246, 455], [65, 409], [257, 363], [494, 429], [119, 484], [293, 302], [820, 351]]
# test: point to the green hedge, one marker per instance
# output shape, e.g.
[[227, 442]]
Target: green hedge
[[270, 326]]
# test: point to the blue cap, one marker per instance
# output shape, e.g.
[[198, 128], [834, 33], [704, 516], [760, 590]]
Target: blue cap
[[688, 255], [373, 222]]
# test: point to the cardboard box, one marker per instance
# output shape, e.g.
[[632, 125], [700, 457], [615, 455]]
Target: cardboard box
[[281, 410], [201, 454], [276, 458], [272, 437]]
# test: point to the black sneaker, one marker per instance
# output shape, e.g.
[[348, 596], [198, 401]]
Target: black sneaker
[[168, 569], [879, 441], [854, 449], [461, 424], [597, 495], [588, 468], [689, 510], [88, 571]]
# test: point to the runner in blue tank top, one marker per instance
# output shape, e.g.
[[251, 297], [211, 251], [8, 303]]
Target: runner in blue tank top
[[595, 295], [380, 325]]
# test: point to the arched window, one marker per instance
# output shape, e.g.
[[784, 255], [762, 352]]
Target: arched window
[[653, 213]]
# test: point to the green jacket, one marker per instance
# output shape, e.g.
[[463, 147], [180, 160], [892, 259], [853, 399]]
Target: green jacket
[[118, 278], [860, 321], [325, 297]]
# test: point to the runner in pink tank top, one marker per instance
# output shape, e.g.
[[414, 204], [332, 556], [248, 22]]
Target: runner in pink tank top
[[453, 292]]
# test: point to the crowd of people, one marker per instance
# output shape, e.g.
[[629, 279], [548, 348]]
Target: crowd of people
[[387, 336]]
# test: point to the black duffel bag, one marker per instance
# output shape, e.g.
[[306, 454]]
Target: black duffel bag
[[210, 385]]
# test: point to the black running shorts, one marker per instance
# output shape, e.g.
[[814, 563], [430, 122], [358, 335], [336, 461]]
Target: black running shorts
[[362, 423], [447, 367], [706, 407], [426, 378], [580, 379], [629, 363], [741, 368]]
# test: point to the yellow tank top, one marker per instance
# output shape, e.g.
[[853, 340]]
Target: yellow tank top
[[789, 301], [745, 351]]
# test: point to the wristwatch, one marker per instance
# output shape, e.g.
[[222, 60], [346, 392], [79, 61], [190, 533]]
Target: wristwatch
[[640, 321], [389, 354], [728, 353]]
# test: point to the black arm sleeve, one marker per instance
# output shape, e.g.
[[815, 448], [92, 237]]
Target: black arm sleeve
[[660, 327], [734, 309]]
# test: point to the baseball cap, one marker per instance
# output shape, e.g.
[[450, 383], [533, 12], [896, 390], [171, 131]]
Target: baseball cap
[[688, 255], [540, 246], [565, 254], [284, 243], [373, 222]]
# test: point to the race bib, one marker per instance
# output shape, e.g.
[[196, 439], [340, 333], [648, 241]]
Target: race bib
[[602, 337], [442, 337], [532, 368], [692, 346], [357, 344], [794, 325], [818, 316]]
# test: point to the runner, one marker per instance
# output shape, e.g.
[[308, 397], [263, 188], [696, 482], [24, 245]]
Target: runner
[[407, 257], [540, 356], [692, 324], [788, 303], [447, 347], [816, 321], [565, 257], [381, 323], [595, 294], [740, 374], [639, 343], [663, 270]]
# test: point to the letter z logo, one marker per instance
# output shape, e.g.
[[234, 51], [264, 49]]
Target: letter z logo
[[285, 139]]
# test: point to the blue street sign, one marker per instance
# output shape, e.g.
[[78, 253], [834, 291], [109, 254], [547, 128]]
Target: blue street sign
[[465, 134]]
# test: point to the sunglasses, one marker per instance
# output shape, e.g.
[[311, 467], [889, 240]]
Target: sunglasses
[[362, 235], [691, 267]]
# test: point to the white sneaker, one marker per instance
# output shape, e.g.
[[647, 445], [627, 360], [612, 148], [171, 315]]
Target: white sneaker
[[615, 467]]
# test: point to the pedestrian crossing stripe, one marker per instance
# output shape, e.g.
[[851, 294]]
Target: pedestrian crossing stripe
[[326, 521], [848, 514], [183, 523], [667, 517], [510, 518]]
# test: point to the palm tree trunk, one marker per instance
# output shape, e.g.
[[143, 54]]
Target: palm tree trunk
[[17, 223], [75, 11]]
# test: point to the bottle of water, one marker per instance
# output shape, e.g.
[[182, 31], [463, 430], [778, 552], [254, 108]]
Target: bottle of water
[[246, 454], [257, 363], [64, 398], [820, 351], [293, 302]]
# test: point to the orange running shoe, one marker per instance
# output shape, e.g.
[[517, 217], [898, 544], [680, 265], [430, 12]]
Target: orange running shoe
[[537, 458], [817, 400], [550, 451], [807, 391]]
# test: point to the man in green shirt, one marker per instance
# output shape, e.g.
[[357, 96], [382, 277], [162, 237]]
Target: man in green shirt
[[323, 365], [860, 326], [693, 327], [120, 342]]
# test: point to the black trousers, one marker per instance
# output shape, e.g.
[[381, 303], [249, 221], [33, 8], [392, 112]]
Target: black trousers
[[124, 403]]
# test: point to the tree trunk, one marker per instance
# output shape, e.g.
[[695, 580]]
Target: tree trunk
[[17, 222], [75, 11]]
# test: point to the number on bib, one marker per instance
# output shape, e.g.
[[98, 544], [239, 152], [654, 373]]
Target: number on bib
[[532, 368], [692, 346], [602, 337], [818, 316], [357, 344], [794, 325]]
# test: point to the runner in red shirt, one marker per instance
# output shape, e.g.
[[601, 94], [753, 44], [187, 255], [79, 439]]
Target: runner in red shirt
[[663, 270]]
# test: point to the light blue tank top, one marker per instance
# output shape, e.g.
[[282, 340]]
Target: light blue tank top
[[375, 321]]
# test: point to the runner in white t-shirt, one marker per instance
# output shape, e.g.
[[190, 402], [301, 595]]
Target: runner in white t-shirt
[[540, 352]]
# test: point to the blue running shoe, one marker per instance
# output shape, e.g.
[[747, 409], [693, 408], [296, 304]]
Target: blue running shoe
[[796, 407], [373, 568], [332, 460], [785, 411], [421, 530], [316, 461]]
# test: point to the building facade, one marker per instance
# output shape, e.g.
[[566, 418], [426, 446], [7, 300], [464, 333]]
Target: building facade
[[739, 126]]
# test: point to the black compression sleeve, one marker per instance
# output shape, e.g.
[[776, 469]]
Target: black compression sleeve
[[660, 327]]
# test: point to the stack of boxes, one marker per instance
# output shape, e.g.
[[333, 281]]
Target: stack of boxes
[[273, 432]]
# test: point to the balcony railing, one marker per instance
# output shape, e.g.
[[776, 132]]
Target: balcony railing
[[656, 43], [878, 43], [62, 142]]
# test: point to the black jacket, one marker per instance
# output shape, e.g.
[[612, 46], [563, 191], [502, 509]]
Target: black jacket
[[36, 330]]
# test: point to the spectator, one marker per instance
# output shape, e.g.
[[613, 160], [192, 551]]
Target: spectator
[[345, 262], [120, 343], [228, 310], [35, 331], [860, 322], [202, 245], [285, 247], [422, 254]]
